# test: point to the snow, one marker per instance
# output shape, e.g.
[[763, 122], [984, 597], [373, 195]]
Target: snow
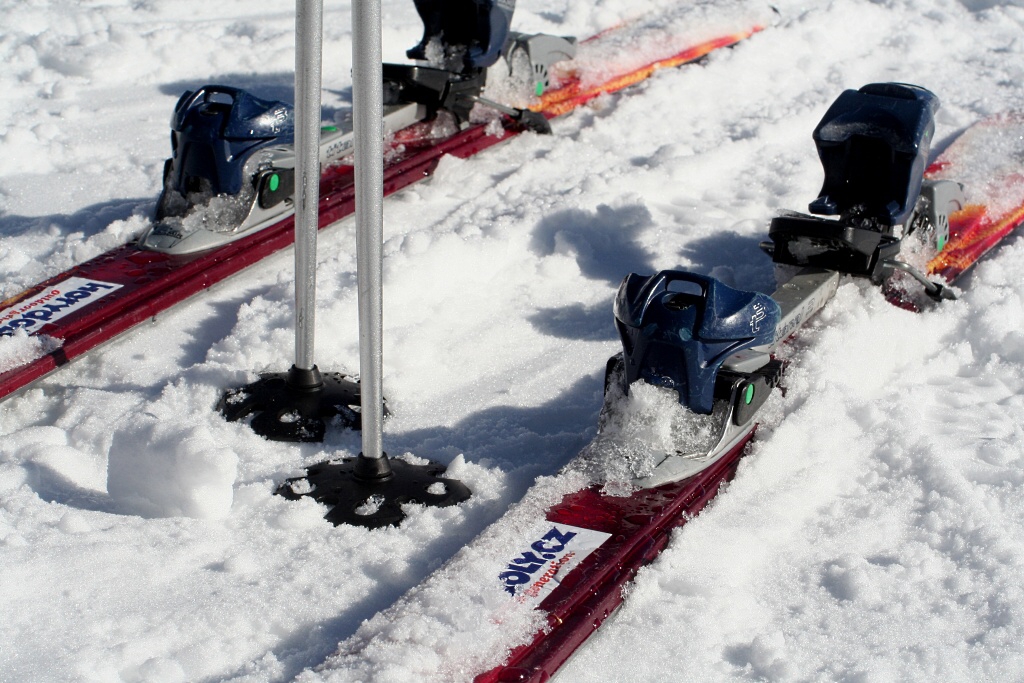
[[875, 532], [21, 348], [1005, 140]]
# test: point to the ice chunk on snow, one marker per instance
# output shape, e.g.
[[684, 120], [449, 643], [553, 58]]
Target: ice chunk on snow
[[161, 470]]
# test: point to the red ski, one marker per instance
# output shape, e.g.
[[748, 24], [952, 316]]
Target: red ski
[[636, 528]]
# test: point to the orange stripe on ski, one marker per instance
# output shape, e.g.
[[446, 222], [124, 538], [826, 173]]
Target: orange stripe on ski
[[572, 94], [973, 233]]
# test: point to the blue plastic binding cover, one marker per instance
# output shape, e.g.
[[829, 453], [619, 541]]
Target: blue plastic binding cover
[[678, 328]]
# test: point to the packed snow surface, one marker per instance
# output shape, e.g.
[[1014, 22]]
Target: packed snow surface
[[874, 533]]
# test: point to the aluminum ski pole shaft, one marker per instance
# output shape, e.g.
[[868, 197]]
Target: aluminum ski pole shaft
[[368, 113], [308, 59]]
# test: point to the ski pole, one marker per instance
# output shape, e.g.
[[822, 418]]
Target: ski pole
[[308, 58], [368, 130]]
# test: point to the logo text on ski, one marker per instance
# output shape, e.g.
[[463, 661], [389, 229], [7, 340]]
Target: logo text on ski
[[53, 303], [534, 573]]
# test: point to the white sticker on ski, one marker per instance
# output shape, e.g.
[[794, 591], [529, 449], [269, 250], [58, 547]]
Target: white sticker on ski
[[52, 304], [558, 548]]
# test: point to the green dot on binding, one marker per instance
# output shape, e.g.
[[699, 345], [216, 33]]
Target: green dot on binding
[[539, 90], [748, 394], [328, 129], [275, 182]]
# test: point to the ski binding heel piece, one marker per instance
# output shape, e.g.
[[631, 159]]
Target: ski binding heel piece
[[873, 144]]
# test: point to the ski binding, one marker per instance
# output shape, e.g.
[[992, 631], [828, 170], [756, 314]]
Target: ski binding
[[714, 346], [873, 144], [232, 167]]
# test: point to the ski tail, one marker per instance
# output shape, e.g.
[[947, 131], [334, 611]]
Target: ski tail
[[573, 91], [986, 158]]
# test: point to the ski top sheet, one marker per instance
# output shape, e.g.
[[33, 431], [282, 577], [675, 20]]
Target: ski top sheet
[[564, 556], [632, 531], [69, 314], [987, 160], [628, 54]]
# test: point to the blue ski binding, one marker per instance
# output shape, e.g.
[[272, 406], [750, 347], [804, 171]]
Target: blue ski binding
[[873, 144], [678, 329], [215, 130], [472, 32]]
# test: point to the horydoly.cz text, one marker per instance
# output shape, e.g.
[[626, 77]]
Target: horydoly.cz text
[[535, 573], [52, 304]]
